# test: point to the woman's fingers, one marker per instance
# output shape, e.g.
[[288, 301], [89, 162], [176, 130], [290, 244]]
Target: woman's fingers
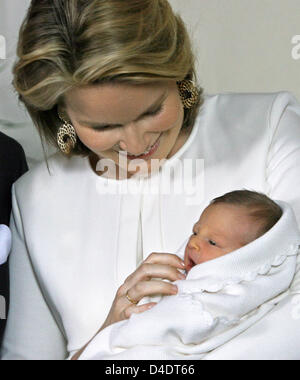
[[147, 271], [160, 266], [150, 288], [137, 309], [165, 258]]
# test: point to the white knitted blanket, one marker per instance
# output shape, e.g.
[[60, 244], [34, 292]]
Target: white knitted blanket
[[5, 243], [218, 300]]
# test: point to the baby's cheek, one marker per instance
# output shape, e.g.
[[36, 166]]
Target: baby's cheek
[[210, 253], [217, 253], [185, 254]]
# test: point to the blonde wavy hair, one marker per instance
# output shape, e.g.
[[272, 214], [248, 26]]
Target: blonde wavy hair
[[65, 44]]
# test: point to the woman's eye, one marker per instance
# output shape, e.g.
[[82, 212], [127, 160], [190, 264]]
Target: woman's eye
[[103, 128], [211, 242], [148, 114], [154, 113]]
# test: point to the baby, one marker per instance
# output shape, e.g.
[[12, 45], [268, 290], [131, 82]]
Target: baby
[[222, 295], [229, 223]]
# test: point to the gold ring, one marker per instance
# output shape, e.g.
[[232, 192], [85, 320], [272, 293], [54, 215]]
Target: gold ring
[[131, 300]]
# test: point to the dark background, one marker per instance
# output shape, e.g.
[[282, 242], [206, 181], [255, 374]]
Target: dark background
[[12, 166]]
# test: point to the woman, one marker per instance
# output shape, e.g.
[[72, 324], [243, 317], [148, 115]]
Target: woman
[[110, 81]]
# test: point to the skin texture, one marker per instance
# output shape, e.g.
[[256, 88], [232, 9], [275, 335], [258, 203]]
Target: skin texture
[[221, 229], [132, 117], [123, 107]]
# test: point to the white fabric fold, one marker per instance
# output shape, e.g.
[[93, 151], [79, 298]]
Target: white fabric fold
[[5, 243], [218, 300]]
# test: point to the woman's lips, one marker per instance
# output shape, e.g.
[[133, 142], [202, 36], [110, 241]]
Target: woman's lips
[[145, 156]]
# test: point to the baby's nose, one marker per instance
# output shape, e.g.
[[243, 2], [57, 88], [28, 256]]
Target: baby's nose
[[193, 245]]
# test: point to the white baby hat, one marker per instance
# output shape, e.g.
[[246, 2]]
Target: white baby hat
[[5, 243]]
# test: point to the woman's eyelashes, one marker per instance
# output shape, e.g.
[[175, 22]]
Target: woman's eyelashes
[[155, 112], [106, 128], [145, 115]]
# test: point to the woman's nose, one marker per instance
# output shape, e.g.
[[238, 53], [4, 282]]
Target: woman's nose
[[132, 140]]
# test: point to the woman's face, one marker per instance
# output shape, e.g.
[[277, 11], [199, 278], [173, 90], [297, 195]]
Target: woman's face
[[109, 118]]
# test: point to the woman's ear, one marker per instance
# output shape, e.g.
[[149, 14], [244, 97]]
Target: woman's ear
[[62, 113]]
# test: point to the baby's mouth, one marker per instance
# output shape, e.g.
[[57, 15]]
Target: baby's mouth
[[190, 261]]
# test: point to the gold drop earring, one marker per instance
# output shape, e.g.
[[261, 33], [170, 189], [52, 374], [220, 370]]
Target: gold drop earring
[[189, 93], [66, 137]]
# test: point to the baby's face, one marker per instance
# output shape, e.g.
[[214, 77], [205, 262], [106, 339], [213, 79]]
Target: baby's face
[[221, 229]]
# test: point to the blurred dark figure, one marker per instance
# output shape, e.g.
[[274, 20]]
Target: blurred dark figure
[[12, 166]]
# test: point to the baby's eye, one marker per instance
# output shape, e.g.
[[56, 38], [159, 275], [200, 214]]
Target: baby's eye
[[211, 242]]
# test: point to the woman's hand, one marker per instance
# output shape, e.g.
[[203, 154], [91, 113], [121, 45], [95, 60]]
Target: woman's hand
[[138, 285]]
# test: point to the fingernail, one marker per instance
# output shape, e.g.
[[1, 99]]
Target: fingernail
[[182, 276], [150, 306], [174, 289], [182, 264]]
